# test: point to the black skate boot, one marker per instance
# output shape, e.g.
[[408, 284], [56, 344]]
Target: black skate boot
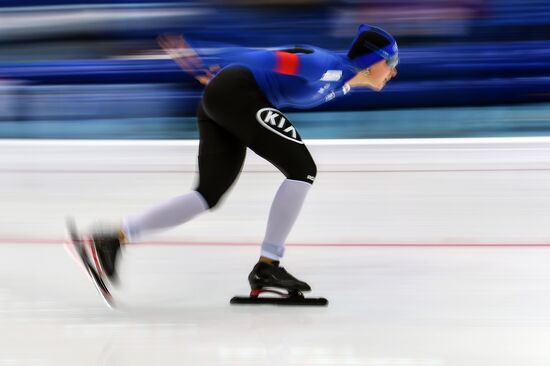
[[271, 275], [80, 249], [105, 249], [270, 279]]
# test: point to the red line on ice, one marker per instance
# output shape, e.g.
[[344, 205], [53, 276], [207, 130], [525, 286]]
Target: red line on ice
[[6, 240]]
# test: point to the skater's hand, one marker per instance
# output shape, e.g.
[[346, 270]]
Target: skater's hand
[[185, 56]]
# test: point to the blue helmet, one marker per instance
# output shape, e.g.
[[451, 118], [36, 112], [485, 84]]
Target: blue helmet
[[371, 45]]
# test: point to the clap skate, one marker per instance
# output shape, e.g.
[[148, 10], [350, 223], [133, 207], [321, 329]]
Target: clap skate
[[97, 255], [274, 280]]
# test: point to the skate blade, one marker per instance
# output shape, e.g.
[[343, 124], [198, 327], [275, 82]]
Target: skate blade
[[77, 250], [289, 301]]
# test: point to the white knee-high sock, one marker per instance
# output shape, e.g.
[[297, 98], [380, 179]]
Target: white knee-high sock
[[283, 214], [168, 214]]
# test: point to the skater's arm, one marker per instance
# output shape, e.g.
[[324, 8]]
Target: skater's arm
[[307, 63], [187, 58]]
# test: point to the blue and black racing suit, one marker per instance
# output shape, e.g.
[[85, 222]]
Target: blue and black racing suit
[[241, 105]]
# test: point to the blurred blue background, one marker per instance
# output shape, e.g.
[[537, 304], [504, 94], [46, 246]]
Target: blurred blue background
[[75, 69]]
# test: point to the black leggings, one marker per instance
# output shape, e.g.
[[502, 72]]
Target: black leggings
[[233, 115]]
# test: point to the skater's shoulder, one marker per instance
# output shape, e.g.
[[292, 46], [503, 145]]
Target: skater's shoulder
[[304, 50]]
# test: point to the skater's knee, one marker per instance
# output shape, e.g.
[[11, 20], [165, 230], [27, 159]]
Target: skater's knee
[[211, 197], [304, 170]]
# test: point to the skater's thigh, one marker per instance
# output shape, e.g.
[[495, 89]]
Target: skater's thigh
[[234, 100], [215, 139], [271, 135], [221, 157], [278, 141]]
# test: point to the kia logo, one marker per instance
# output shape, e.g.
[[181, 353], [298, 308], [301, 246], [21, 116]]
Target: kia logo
[[276, 122]]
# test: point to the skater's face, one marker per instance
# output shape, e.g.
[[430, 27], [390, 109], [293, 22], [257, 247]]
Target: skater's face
[[375, 77]]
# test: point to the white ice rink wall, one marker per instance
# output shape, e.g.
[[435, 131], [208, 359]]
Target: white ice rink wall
[[429, 191]]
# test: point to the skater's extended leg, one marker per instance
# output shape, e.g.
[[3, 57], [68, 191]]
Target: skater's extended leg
[[107, 241], [170, 213], [220, 160], [221, 156]]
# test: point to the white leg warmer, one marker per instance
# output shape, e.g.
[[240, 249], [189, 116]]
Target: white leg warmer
[[283, 214], [173, 212]]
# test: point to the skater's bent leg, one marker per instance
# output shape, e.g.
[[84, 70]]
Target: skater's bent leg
[[173, 212], [285, 209], [293, 159], [273, 137], [296, 163]]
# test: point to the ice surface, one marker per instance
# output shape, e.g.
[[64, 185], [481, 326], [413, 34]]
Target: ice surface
[[416, 305]]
